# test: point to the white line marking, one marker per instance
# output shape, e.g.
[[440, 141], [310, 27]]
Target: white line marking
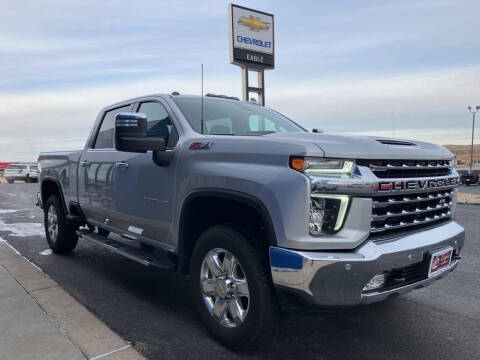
[[46, 252], [111, 352]]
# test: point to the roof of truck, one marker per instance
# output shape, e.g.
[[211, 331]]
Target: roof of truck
[[173, 95]]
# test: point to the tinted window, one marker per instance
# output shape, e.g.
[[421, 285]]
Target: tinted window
[[233, 117], [159, 124], [16, 167], [105, 134]]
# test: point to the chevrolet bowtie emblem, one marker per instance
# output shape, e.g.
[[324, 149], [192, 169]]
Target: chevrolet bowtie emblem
[[254, 23]]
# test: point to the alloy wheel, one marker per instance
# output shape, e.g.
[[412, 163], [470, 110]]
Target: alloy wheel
[[224, 288], [52, 223]]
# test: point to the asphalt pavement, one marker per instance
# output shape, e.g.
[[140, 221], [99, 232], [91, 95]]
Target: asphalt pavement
[[152, 309], [471, 189]]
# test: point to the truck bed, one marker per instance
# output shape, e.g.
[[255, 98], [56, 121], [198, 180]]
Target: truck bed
[[62, 167]]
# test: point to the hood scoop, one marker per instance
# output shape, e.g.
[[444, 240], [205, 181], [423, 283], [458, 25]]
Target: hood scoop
[[396, 142]]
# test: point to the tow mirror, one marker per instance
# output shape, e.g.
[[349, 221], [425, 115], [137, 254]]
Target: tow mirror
[[131, 134]]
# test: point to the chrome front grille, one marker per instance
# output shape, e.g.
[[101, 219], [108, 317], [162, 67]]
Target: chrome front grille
[[385, 169], [392, 212]]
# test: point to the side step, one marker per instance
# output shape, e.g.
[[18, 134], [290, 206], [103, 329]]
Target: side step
[[130, 252]]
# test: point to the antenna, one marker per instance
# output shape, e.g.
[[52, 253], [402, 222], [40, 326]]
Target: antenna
[[393, 123], [201, 119]]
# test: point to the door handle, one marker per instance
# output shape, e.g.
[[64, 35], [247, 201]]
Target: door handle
[[85, 163], [121, 165]]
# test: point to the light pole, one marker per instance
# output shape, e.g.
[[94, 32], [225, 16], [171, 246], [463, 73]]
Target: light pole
[[473, 111]]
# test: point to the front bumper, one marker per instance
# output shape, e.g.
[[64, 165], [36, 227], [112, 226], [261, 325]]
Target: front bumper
[[338, 278]]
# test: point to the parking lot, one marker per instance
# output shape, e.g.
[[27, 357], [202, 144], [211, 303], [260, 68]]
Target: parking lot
[[471, 189], [152, 309]]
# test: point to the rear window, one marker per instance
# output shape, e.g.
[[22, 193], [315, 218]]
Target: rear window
[[16, 167]]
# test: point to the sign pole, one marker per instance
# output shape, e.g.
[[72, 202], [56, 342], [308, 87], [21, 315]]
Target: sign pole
[[259, 89], [251, 46], [245, 92]]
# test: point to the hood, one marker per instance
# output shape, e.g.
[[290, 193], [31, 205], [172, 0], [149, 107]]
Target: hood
[[368, 147]]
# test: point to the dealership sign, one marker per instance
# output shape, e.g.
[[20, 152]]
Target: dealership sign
[[251, 38]]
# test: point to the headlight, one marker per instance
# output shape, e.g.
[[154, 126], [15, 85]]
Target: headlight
[[311, 165], [327, 213]]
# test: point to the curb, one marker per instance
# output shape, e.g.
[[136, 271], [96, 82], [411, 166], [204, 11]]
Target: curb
[[468, 198], [468, 203], [92, 337]]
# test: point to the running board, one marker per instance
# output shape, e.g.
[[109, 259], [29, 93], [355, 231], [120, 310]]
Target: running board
[[128, 251]]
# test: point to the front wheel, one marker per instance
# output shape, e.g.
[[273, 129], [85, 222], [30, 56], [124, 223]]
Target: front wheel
[[231, 288], [60, 233]]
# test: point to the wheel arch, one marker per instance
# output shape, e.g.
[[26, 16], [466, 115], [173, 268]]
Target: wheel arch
[[49, 187], [187, 235]]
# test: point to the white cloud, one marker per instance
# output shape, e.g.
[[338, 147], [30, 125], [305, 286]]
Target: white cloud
[[46, 121]]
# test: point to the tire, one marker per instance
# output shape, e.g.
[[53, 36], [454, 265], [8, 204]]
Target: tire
[[10, 181], [27, 179], [259, 308], [60, 233]]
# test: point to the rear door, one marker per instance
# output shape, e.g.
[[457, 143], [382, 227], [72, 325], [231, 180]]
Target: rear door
[[95, 172], [143, 191]]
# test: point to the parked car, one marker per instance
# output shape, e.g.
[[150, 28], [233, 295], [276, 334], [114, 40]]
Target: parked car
[[468, 178], [26, 172], [260, 213]]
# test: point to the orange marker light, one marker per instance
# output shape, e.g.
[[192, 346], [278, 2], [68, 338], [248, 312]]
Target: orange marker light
[[297, 163]]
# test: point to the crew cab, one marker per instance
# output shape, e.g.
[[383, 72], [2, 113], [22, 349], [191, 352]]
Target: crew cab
[[261, 214]]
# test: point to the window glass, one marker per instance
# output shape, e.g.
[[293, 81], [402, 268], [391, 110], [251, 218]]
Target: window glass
[[105, 134], [15, 167], [159, 124], [254, 123], [219, 126], [222, 116]]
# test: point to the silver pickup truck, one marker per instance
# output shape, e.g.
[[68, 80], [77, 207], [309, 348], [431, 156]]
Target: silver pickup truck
[[261, 214]]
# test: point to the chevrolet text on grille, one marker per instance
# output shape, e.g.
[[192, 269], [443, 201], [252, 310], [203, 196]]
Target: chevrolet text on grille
[[401, 185]]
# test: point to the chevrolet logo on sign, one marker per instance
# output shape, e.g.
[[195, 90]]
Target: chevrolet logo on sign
[[254, 23]]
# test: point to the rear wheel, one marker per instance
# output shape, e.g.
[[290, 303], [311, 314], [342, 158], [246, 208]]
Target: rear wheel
[[60, 233], [231, 288], [10, 181], [27, 178]]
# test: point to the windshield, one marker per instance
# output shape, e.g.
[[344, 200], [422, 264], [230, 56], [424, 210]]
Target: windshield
[[231, 117]]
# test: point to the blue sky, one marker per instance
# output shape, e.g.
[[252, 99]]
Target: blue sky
[[407, 68]]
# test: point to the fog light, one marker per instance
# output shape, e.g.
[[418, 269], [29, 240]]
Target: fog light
[[327, 213], [376, 282]]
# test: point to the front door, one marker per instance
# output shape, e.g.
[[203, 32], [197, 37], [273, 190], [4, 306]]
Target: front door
[[143, 192]]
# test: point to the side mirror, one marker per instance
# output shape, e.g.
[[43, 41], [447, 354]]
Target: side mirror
[[317, 130], [131, 134]]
